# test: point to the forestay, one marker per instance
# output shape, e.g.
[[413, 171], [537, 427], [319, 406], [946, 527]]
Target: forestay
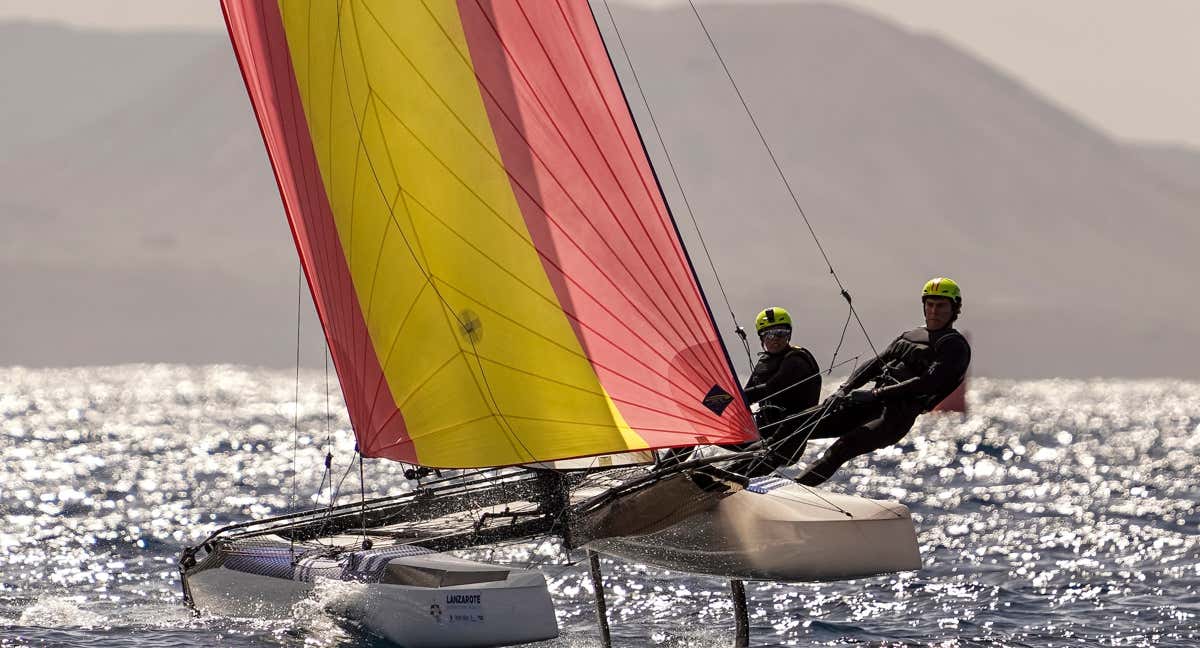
[[495, 268]]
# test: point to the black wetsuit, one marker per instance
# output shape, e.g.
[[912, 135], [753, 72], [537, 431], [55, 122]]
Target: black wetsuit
[[912, 375], [786, 382]]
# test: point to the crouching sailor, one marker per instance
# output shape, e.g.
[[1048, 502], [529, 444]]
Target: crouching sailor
[[912, 375], [786, 379]]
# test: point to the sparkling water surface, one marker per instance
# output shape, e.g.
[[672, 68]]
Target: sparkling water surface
[[1057, 513]]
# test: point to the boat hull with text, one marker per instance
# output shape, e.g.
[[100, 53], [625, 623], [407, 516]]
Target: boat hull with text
[[406, 594]]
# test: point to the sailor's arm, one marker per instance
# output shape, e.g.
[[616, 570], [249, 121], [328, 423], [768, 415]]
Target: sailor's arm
[[949, 364], [793, 374], [866, 372]]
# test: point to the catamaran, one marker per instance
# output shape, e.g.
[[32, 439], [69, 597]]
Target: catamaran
[[511, 313]]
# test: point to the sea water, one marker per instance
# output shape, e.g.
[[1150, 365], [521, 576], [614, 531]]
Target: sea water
[[1054, 513]]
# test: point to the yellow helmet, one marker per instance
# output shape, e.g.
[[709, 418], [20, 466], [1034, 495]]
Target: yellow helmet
[[773, 317], [942, 287]]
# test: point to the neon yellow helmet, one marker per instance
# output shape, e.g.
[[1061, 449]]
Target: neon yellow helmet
[[773, 317], [942, 287]]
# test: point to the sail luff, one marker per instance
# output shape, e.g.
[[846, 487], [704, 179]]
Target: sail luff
[[683, 251], [591, 181], [490, 23], [656, 196], [261, 49]]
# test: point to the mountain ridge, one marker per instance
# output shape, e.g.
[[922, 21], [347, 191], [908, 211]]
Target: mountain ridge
[[910, 158]]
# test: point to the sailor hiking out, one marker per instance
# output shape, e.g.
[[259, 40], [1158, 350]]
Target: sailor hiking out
[[912, 375]]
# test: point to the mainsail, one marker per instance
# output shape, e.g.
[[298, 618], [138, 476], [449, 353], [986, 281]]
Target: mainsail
[[496, 270]]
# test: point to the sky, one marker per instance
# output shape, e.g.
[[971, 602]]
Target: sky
[[1131, 69]]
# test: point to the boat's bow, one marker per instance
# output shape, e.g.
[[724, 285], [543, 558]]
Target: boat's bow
[[773, 529]]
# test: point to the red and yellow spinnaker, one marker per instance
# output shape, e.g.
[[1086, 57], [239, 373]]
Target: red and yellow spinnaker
[[495, 267]]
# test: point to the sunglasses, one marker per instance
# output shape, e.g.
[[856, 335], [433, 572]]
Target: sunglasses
[[777, 333]]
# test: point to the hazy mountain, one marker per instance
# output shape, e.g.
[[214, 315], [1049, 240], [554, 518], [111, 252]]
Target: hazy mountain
[[1177, 166], [139, 219], [145, 225]]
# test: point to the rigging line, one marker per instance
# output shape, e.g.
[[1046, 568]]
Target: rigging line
[[287, 117], [515, 180], [817, 493], [805, 428], [775, 470], [362, 498], [783, 176], [583, 290], [505, 424], [535, 155], [726, 367], [339, 54], [297, 152], [841, 340], [583, 168], [296, 403], [607, 163], [533, 553], [328, 429], [407, 196], [675, 174], [596, 363], [378, 101], [808, 429], [807, 378], [653, 196], [653, 348], [563, 568], [335, 494]]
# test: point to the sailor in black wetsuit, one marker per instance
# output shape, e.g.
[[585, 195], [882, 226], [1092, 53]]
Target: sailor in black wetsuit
[[914, 373], [786, 379]]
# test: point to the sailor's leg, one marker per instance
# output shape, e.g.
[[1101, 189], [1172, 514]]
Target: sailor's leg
[[877, 433], [835, 419], [782, 450], [786, 446]]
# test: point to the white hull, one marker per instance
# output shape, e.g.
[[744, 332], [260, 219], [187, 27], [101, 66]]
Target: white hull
[[786, 533], [505, 612]]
